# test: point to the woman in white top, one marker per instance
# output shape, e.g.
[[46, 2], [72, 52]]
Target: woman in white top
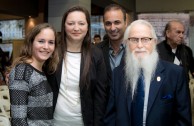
[[79, 84]]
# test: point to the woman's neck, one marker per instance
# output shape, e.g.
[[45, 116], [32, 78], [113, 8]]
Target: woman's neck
[[74, 46], [35, 64]]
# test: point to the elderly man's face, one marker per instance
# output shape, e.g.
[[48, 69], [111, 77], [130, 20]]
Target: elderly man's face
[[175, 34], [140, 41]]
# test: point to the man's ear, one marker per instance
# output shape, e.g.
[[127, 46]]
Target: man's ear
[[167, 33], [155, 41]]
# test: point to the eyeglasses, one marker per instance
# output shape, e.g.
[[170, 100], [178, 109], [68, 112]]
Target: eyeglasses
[[144, 40]]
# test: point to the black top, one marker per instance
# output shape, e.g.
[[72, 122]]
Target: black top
[[183, 53], [93, 97]]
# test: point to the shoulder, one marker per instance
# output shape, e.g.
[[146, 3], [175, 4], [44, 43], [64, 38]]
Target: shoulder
[[170, 67], [163, 49], [95, 50], [22, 71], [103, 44], [21, 67], [187, 48], [96, 54], [171, 72], [161, 44]]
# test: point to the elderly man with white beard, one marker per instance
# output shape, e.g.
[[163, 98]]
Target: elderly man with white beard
[[160, 98]]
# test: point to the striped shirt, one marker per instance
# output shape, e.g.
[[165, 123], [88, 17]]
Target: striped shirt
[[31, 97]]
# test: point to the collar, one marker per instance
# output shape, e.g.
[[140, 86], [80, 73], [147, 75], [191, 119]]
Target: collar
[[122, 45]]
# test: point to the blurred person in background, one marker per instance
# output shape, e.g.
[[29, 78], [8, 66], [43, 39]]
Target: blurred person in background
[[173, 48], [96, 39]]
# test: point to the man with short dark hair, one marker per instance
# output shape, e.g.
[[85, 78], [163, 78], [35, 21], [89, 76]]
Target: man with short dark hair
[[96, 39], [115, 23]]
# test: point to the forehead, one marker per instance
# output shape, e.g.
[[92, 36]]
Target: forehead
[[44, 32], [140, 30], [96, 37], [177, 25], [76, 16], [113, 15]]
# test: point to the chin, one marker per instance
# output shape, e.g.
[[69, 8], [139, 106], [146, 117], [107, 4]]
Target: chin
[[115, 37], [44, 58]]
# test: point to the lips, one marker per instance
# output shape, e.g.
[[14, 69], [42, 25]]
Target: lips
[[76, 34], [113, 34], [44, 52]]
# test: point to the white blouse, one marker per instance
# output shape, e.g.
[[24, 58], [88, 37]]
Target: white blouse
[[68, 107]]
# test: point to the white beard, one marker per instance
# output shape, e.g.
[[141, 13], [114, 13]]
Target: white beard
[[134, 65]]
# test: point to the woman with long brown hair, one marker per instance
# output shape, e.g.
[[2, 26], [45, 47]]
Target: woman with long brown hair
[[79, 83], [31, 96]]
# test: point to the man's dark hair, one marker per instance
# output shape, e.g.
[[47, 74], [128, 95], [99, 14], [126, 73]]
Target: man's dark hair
[[115, 7], [168, 26], [97, 36]]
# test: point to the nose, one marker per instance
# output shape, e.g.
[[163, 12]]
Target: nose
[[113, 27], [139, 44], [76, 27], [181, 35], [46, 45]]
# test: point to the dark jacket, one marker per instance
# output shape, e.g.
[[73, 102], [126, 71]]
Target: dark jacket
[[104, 46], [183, 53], [168, 103], [93, 98]]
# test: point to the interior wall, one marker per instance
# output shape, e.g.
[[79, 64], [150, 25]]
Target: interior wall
[[31, 22], [19, 7], [56, 9], [164, 5], [9, 17], [127, 4], [168, 6]]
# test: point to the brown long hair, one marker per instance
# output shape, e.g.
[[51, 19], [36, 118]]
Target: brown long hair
[[86, 44], [26, 52]]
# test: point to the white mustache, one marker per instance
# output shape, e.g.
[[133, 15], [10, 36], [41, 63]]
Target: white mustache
[[140, 50]]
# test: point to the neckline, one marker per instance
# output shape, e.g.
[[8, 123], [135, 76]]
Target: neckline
[[72, 52]]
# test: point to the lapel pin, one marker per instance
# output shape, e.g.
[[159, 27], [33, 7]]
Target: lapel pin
[[158, 78]]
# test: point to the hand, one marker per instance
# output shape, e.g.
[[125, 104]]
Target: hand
[[6, 74]]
